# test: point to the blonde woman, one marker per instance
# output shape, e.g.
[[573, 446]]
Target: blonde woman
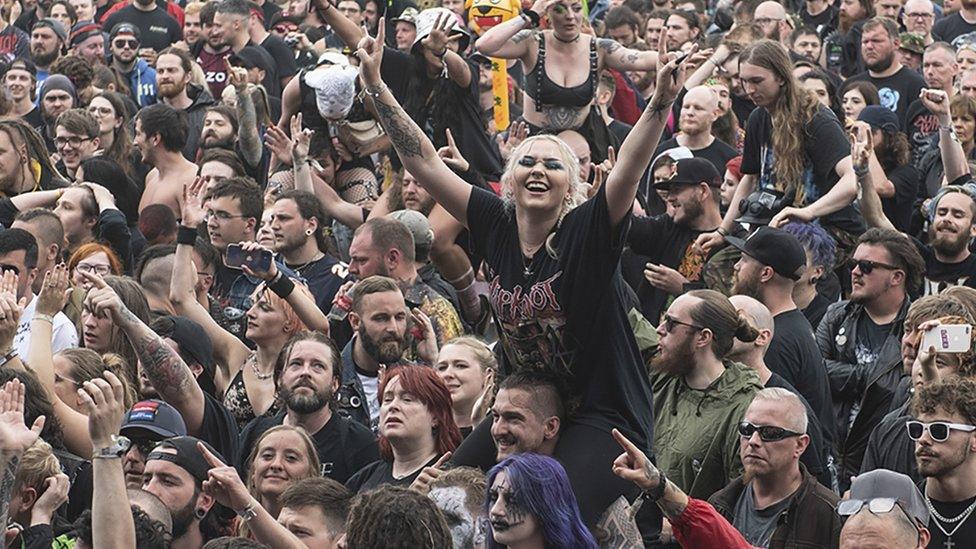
[[467, 366]]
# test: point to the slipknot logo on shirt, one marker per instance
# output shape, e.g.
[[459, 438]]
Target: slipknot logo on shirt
[[532, 324]]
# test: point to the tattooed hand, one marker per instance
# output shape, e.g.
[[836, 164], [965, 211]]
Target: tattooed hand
[[633, 465]]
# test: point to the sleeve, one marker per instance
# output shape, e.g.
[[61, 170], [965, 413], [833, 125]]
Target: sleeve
[[700, 526], [40, 536], [486, 214], [826, 143], [64, 337], [7, 212], [113, 229], [395, 70], [752, 148], [872, 454], [846, 379], [647, 235]]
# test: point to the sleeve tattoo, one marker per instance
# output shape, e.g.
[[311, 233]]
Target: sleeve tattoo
[[163, 366], [403, 133]]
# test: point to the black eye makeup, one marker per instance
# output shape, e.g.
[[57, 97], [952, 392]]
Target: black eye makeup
[[548, 163], [527, 161]]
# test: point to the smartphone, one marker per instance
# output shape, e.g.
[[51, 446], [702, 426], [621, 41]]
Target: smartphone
[[948, 338], [681, 59], [259, 260]]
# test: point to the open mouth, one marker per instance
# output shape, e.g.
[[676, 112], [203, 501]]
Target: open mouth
[[488, 21], [536, 187]]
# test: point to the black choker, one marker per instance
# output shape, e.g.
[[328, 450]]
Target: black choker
[[566, 41]]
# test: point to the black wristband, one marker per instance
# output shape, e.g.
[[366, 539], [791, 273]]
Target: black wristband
[[186, 235], [281, 285], [658, 492], [533, 16]]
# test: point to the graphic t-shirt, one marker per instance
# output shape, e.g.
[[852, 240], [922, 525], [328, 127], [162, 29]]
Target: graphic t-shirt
[[824, 145], [13, 43], [939, 275], [157, 28], [214, 66], [896, 91], [718, 153], [562, 310], [870, 339]]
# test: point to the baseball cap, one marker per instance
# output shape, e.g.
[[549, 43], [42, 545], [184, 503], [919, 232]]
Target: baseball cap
[[187, 455], [195, 345], [419, 227], [125, 29], [913, 42], [408, 15], [154, 416], [879, 118], [675, 154], [692, 171], [773, 247], [24, 64], [882, 483], [426, 20], [54, 25]]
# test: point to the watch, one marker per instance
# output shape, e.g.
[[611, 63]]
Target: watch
[[120, 445], [247, 513]]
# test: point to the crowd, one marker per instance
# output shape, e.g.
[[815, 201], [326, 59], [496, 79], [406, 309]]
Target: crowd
[[552, 273]]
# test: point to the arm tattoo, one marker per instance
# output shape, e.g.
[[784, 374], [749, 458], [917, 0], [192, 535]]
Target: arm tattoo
[[402, 131], [672, 509], [632, 57], [164, 367], [522, 36], [617, 529], [608, 46], [248, 135], [6, 487]]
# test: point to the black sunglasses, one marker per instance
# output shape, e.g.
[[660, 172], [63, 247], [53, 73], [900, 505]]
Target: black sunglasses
[[768, 433], [866, 266], [670, 322], [938, 430]]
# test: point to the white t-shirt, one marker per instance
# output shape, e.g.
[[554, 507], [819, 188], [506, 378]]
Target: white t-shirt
[[370, 388], [64, 336]]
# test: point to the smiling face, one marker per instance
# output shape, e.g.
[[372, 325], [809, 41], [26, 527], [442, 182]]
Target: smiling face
[[458, 367], [280, 460], [540, 179], [515, 426], [18, 83], [511, 522]]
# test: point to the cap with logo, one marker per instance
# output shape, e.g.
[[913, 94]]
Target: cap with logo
[[775, 248], [155, 416]]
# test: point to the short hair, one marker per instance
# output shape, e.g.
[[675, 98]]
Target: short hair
[[76, 68], [372, 285], [91, 248], [954, 394], [309, 207], [620, 16], [816, 240], [890, 27], [78, 121], [37, 464], [234, 542], [395, 517], [207, 252], [12, 240], [902, 251], [658, 14], [166, 122], [225, 157], [193, 8], [944, 46], [963, 295], [207, 13], [152, 505], [239, 8], [186, 62], [243, 189], [428, 388], [387, 233], [544, 388], [156, 280], [804, 31], [157, 221], [150, 533], [469, 479], [48, 221], [792, 408], [930, 307], [331, 497]]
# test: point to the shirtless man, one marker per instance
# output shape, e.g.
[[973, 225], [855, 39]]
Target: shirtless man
[[160, 136]]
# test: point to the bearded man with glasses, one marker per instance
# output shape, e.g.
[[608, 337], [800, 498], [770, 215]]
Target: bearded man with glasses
[[777, 500]]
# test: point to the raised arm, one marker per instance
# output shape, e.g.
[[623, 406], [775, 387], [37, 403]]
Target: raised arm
[[620, 58], [512, 39], [861, 147], [416, 151], [436, 42], [36, 199], [954, 160], [15, 439], [248, 133], [112, 523], [348, 32], [636, 151]]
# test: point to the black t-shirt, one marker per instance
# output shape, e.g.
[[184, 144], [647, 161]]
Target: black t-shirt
[[380, 472], [619, 129], [896, 91], [157, 28], [825, 22], [824, 145], [219, 427], [284, 56], [949, 28], [269, 9], [565, 314], [718, 153], [793, 354], [323, 279], [921, 126], [899, 208], [816, 309], [13, 43], [344, 446], [939, 275], [965, 536]]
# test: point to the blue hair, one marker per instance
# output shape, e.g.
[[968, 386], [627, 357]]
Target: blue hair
[[543, 490], [816, 240]]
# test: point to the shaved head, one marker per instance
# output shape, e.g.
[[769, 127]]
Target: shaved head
[[755, 312], [751, 352], [773, 10]]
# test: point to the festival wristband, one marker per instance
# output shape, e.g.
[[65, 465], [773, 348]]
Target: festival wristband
[[531, 17], [186, 235]]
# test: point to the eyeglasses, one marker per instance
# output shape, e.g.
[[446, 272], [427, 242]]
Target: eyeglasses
[[283, 29], [220, 215], [104, 111], [145, 445], [866, 266], [122, 44], [100, 270], [938, 430], [74, 142], [768, 433], [670, 322]]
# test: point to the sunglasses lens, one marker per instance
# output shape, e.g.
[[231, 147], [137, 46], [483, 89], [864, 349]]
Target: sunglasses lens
[[747, 429], [770, 433], [881, 505], [849, 507], [865, 266], [939, 432], [915, 429]]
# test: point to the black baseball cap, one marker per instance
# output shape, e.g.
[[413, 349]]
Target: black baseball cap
[[773, 247], [188, 455], [125, 28], [692, 171], [156, 417]]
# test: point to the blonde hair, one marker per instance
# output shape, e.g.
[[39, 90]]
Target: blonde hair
[[482, 353], [576, 196], [36, 465], [792, 409]]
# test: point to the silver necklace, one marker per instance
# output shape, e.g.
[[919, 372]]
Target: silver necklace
[[253, 361], [961, 519]]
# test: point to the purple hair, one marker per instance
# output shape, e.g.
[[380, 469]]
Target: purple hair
[[543, 490], [816, 240]]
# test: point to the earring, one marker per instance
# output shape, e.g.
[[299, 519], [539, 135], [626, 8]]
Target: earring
[[309, 232], [200, 514]]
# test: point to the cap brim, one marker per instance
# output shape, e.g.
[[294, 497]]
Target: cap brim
[[737, 243], [139, 426], [668, 183]]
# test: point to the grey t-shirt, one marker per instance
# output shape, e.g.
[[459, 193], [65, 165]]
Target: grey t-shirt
[[757, 525]]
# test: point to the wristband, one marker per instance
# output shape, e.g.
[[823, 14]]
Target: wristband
[[533, 18], [441, 54], [861, 171], [247, 513], [44, 317], [10, 355], [281, 285], [658, 492], [375, 91], [721, 230], [186, 235]]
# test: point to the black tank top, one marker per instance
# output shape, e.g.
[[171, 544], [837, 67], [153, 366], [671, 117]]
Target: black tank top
[[313, 120], [545, 92]]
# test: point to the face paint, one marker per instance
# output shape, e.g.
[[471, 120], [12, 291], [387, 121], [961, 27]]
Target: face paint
[[451, 501]]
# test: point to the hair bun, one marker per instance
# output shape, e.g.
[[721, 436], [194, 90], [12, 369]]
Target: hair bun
[[745, 331]]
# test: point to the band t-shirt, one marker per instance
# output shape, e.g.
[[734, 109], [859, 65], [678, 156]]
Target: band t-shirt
[[562, 310], [718, 152], [157, 28], [939, 275], [214, 66], [897, 91], [380, 472], [824, 145]]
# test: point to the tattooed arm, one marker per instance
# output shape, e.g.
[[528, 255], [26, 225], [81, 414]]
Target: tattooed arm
[[251, 145], [620, 58], [8, 464], [417, 153], [510, 40]]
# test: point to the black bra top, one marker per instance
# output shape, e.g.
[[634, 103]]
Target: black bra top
[[545, 92]]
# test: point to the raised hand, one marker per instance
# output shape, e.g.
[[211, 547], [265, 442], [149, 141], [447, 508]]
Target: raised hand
[[430, 474], [480, 409], [440, 35], [601, 172], [670, 75], [103, 401], [937, 102], [10, 311], [224, 484], [425, 336], [862, 145], [103, 197], [451, 155], [634, 466], [8, 283], [15, 436], [370, 54], [517, 133], [193, 212], [102, 299], [280, 144], [55, 495], [263, 275], [54, 291], [300, 139], [665, 278]]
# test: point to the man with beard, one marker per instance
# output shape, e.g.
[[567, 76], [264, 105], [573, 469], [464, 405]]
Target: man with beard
[[124, 44], [160, 135], [57, 95], [771, 262], [777, 499], [945, 450], [20, 84], [307, 379], [174, 70], [157, 28], [525, 416], [700, 395], [860, 340], [897, 85], [384, 246], [230, 28], [774, 22], [212, 51], [48, 37], [146, 424], [959, 23], [699, 110], [298, 224], [223, 128]]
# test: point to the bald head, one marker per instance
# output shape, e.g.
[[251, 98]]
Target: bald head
[[771, 10], [755, 312], [577, 143], [770, 16], [891, 530], [152, 506]]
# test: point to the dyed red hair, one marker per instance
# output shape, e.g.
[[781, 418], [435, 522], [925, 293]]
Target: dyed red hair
[[86, 250], [424, 383]]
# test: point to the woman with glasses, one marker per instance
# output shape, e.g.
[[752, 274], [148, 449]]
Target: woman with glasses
[[93, 258]]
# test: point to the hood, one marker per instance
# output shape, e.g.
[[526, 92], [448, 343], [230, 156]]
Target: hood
[[200, 96]]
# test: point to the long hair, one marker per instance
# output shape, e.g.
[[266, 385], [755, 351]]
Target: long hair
[[894, 150], [792, 111], [87, 365], [541, 487], [439, 98], [716, 313], [109, 173], [121, 149], [424, 384], [133, 298], [818, 74], [21, 133]]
